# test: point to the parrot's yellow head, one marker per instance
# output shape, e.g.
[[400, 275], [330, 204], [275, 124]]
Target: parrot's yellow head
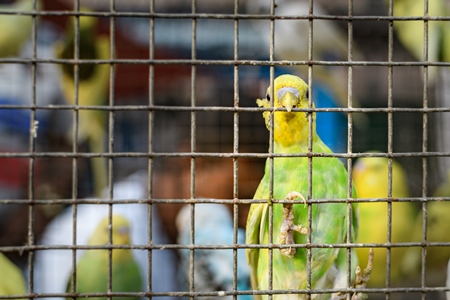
[[290, 128], [120, 235]]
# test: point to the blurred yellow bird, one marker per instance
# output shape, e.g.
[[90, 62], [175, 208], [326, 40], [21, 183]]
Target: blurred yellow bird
[[411, 33], [16, 29], [12, 281], [370, 176], [92, 89], [438, 228]]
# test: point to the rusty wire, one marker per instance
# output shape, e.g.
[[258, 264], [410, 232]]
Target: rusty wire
[[193, 154]]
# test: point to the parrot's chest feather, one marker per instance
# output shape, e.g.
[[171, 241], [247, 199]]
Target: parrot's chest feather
[[292, 130]]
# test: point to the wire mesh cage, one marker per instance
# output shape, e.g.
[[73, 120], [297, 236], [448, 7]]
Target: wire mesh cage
[[133, 148]]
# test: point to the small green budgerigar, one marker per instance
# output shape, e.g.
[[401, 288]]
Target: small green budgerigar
[[11, 278], [92, 268], [290, 221]]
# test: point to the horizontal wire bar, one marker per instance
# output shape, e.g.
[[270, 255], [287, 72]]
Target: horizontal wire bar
[[38, 247], [191, 16], [213, 154], [222, 62], [223, 108], [101, 201], [231, 293]]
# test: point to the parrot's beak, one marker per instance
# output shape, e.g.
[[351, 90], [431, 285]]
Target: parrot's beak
[[289, 101], [124, 231]]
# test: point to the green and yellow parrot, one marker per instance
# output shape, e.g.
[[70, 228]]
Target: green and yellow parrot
[[15, 29], [92, 89], [12, 281], [290, 220], [92, 268], [438, 228], [370, 175]]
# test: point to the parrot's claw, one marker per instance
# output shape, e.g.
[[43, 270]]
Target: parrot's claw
[[361, 280], [288, 225], [294, 195]]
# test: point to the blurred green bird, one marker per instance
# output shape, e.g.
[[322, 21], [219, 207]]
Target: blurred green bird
[[92, 268]]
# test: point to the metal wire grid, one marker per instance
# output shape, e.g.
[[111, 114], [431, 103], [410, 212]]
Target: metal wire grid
[[235, 155]]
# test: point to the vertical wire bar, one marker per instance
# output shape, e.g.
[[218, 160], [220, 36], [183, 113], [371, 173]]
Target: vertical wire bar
[[150, 146], [235, 148], [310, 148], [271, 147], [390, 149], [111, 115], [32, 149], [349, 144], [75, 123], [193, 145], [424, 149]]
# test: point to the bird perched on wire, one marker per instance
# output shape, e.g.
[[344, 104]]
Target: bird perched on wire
[[370, 175], [213, 268], [93, 82], [12, 282], [92, 268], [290, 219], [16, 29]]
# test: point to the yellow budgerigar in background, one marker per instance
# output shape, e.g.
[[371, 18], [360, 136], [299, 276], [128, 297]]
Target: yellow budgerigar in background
[[16, 30], [438, 228], [370, 175], [411, 33], [11, 278], [92, 89]]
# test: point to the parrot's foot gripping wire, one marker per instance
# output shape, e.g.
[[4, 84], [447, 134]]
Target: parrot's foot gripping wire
[[288, 225], [361, 280]]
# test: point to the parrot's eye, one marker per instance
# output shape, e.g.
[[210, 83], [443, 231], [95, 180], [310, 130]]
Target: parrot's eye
[[307, 94], [268, 97]]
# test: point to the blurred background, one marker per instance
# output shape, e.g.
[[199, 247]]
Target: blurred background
[[134, 83]]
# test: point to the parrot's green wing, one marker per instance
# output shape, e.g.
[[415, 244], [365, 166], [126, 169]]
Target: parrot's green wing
[[12, 281], [252, 237]]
